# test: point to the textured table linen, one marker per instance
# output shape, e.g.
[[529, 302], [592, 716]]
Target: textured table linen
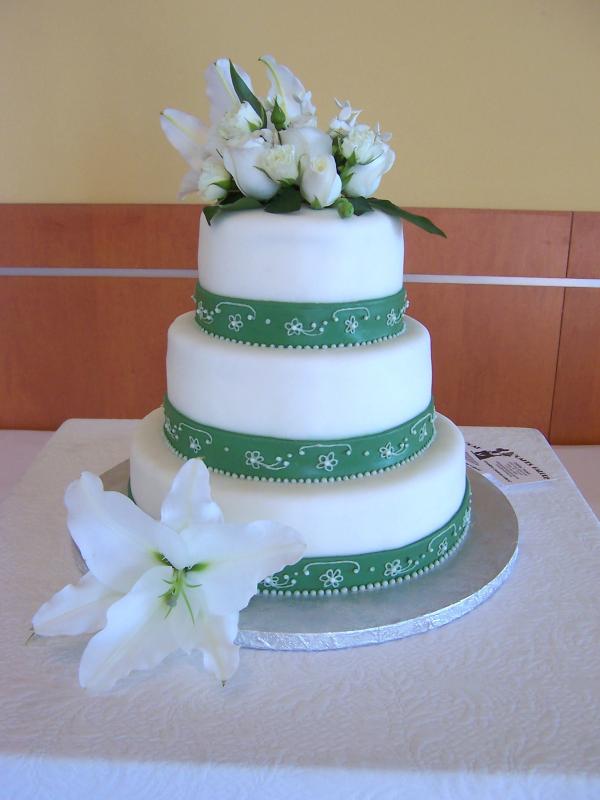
[[503, 703]]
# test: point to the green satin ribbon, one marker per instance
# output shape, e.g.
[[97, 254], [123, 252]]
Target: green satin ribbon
[[297, 460], [277, 324], [327, 575]]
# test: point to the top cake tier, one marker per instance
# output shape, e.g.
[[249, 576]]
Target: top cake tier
[[305, 257]]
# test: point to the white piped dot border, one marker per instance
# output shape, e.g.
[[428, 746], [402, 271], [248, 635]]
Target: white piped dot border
[[301, 594], [303, 346]]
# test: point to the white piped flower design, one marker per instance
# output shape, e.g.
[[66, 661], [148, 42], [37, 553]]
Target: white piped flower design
[[203, 313], [294, 327], [442, 547], [332, 578], [351, 325], [393, 568], [423, 432], [235, 322], [195, 445], [254, 459], [387, 451], [156, 586], [327, 462], [171, 428], [393, 318]]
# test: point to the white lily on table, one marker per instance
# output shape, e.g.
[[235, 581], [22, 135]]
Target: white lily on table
[[154, 587]]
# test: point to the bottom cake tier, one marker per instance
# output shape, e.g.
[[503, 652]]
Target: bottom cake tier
[[362, 533]]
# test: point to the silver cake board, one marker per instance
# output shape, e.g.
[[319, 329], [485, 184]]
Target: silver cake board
[[465, 580]]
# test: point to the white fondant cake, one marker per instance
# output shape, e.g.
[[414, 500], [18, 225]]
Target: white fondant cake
[[297, 393], [307, 256], [315, 403]]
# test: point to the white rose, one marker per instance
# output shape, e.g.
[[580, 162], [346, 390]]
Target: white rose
[[280, 162], [366, 178], [244, 164], [307, 141], [364, 142], [320, 184], [212, 180], [237, 125]]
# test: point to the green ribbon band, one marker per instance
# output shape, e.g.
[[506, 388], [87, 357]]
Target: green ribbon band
[[273, 324], [297, 460], [329, 575]]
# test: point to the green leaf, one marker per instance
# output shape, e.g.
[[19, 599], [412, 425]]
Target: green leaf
[[232, 197], [242, 204], [237, 204], [361, 205], [210, 212], [286, 200], [245, 95], [394, 211]]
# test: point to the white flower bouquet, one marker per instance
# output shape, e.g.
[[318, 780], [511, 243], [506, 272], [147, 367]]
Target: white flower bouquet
[[270, 153]]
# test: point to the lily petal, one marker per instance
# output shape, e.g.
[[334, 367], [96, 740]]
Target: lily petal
[[137, 634], [187, 134], [189, 184], [194, 628], [116, 538], [236, 558], [189, 501], [75, 609], [219, 88], [287, 89], [216, 637]]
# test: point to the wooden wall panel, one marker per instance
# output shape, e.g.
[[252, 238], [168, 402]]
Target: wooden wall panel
[[584, 255], [494, 351], [84, 347], [151, 236], [517, 243], [576, 412], [95, 346]]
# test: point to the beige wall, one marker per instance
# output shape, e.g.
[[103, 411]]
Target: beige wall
[[492, 103]]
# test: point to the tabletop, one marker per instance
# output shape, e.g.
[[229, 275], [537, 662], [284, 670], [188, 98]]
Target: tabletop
[[502, 703]]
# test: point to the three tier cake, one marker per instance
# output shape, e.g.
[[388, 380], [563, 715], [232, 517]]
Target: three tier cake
[[307, 391]]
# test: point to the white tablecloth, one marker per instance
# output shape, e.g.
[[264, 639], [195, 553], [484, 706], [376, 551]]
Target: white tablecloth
[[503, 703]]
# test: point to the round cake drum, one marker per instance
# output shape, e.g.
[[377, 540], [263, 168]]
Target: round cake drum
[[465, 580]]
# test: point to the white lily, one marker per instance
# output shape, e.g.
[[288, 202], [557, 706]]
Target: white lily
[[156, 586], [192, 140], [288, 90], [220, 91], [187, 134]]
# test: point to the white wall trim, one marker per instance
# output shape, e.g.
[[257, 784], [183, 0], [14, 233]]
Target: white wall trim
[[118, 272]]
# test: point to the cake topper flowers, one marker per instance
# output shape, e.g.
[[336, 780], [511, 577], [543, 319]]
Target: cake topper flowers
[[154, 587], [270, 153]]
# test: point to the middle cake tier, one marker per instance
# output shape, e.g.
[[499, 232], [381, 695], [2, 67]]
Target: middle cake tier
[[296, 394]]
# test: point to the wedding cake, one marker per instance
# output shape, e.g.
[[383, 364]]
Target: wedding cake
[[299, 379]]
